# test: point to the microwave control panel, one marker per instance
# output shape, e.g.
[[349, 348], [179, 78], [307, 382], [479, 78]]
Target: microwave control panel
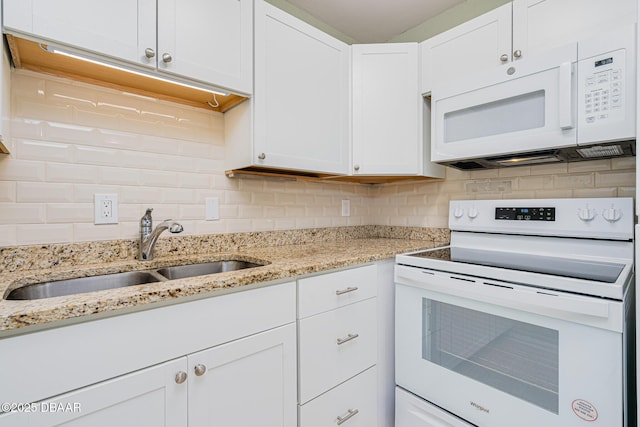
[[601, 95]]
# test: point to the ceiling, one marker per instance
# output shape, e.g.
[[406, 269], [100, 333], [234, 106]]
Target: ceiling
[[373, 21]]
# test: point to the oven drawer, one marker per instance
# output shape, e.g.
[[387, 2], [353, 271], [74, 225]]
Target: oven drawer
[[335, 346], [328, 291], [351, 404], [412, 411]]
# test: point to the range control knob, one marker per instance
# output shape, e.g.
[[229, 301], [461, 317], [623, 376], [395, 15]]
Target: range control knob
[[586, 214], [473, 212], [612, 214], [458, 212]]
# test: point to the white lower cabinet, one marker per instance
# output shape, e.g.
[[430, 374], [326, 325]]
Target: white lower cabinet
[[352, 404], [335, 346], [149, 397], [338, 348], [249, 382], [224, 361]]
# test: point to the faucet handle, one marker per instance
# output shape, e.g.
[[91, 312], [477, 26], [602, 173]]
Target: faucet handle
[[175, 228]]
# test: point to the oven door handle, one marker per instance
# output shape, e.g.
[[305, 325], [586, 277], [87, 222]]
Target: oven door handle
[[504, 294]]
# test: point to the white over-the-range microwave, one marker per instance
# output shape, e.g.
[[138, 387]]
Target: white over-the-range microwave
[[572, 103]]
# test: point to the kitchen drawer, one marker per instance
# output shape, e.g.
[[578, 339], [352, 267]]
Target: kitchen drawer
[[324, 363], [353, 401], [332, 290]]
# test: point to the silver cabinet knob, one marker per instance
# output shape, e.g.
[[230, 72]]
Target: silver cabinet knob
[[149, 53], [181, 377], [166, 58], [356, 167], [517, 53], [262, 156], [504, 57], [200, 370]]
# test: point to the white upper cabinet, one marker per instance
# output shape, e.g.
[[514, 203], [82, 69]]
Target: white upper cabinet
[[387, 125], [121, 29], [206, 41], [301, 99], [481, 43], [516, 31], [539, 25]]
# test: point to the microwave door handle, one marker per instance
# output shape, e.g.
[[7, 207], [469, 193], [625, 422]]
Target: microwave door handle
[[565, 98]]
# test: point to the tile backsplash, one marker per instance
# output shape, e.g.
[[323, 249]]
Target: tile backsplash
[[70, 140]]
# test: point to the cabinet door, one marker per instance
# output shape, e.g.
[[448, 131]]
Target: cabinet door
[[122, 29], [151, 397], [210, 41], [539, 25], [386, 108], [14, 419], [478, 44], [301, 93], [248, 382]]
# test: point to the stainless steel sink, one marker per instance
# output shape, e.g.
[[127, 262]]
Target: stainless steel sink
[[82, 285], [184, 271], [121, 280]]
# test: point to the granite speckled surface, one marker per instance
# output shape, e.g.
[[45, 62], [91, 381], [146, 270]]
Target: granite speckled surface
[[287, 254]]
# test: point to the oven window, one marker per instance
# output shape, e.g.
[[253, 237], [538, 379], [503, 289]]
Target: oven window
[[515, 357]]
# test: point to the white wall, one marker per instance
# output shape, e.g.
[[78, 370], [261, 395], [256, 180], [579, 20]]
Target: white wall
[[70, 140]]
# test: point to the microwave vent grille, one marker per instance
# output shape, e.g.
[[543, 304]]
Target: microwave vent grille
[[601, 151]]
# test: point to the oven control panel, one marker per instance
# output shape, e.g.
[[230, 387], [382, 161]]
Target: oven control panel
[[609, 218], [526, 214]]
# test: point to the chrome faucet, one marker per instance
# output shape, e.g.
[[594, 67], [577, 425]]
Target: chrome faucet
[[148, 235]]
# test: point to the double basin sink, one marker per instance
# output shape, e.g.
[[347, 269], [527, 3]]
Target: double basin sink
[[120, 280]]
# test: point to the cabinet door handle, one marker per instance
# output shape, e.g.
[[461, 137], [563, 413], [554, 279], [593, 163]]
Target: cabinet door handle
[[262, 156], [149, 53], [181, 377], [200, 370], [504, 57], [348, 338], [517, 53], [166, 58], [350, 413], [347, 290]]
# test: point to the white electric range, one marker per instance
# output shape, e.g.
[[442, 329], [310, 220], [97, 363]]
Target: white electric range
[[523, 320]]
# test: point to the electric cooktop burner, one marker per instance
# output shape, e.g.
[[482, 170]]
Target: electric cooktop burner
[[556, 265]]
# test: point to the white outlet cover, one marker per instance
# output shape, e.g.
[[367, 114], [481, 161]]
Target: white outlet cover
[[212, 208], [105, 209]]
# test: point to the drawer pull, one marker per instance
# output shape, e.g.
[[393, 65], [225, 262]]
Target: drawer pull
[[348, 338], [350, 413], [346, 291]]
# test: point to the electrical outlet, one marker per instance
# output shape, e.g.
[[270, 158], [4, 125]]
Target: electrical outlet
[[346, 207], [105, 208]]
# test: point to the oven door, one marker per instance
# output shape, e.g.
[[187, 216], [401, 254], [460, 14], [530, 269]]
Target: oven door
[[524, 108], [500, 355]]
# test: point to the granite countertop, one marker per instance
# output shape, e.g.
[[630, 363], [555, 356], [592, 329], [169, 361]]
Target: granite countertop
[[283, 261]]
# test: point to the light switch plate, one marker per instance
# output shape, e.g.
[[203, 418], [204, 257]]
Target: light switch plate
[[346, 207], [212, 208], [105, 208]]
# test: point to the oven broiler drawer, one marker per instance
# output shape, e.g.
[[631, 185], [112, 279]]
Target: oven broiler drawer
[[411, 411]]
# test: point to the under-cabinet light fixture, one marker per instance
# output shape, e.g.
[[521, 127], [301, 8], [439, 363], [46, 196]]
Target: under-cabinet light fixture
[[119, 67]]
